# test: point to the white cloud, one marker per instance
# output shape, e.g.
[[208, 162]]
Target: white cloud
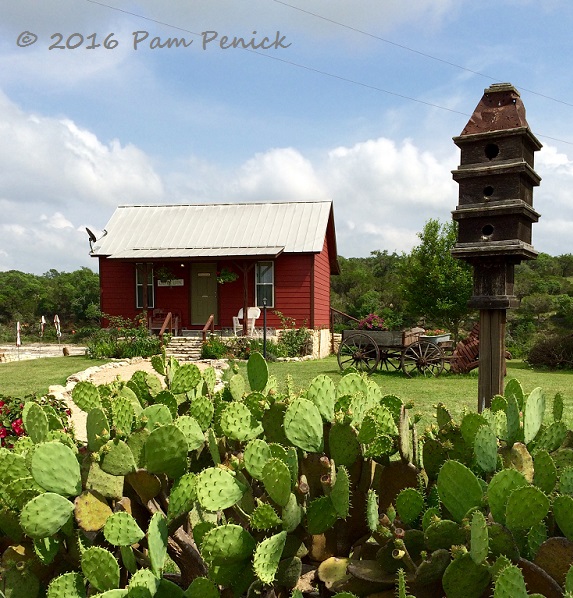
[[56, 175]]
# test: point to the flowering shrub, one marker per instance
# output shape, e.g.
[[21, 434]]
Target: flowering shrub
[[11, 425], [372, 322], [435, 332]]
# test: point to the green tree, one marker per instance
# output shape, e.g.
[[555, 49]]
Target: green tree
[[437, 286]]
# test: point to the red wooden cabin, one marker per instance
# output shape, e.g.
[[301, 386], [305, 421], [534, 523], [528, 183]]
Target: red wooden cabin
[[179, 259]]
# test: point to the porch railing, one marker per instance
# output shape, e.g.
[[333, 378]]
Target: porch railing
[[168, 322], [210, 324]]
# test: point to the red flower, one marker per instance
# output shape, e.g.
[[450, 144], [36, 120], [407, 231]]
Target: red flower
[[3, 432]]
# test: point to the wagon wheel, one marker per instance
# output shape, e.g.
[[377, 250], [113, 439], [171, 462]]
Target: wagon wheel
[[359, 351], [423, 358], [390, 360]]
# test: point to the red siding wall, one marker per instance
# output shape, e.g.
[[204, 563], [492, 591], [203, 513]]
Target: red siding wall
[[293, 290], [117, 288], [293, 275], [117, 284], [322, 288]]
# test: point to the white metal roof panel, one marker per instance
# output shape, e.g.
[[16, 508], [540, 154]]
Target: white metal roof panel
[[215, 229], [185, 252]]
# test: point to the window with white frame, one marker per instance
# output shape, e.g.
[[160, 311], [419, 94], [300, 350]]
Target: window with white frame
[[139, 286], [265, 283]]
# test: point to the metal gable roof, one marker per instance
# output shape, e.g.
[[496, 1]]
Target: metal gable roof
[[212, 230]]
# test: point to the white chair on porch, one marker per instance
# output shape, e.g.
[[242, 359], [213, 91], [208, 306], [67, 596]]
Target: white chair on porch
[[253, 313]]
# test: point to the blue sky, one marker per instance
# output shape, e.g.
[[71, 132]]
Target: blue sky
[[361, 108]]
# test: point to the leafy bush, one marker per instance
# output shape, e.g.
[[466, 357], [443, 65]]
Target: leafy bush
[[123, 339], [293, 342], [214, 348], [555, 352]]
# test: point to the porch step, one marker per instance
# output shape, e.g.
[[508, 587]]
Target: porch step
[[184, 348]]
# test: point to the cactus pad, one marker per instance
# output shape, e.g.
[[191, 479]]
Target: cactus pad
[[108, 485], [186, 378], [157, 535], [320, 515], [227, 544], [443, 533], [510, 583], [70, 585], [166, 451], [533, 414], [459, 489], [217, 489], [97, 428], [100, 568], [465, 579], [121, 529], [267, 557], [192, 430], [545, 472], [156, 415], [479, 540], [264, 517], [202, 410], [91, 511], [322, 392], [86, 396], [257, 372], [277, 481], [55, 467], [256, 454], [372, 517], [182, 496], [45, 514], [409, 505], [35, 422], [485, 449], [143, 584], [117, 458], [499, 489], [343, 444], [563, 512], [237, 387], [303, 426], [123, 416], [526, 507], [340, 493], [238, 423], [201, 587]]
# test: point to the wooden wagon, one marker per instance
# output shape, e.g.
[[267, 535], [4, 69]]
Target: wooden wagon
[[407, 350]]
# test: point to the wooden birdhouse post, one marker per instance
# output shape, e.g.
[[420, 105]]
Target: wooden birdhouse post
[[495, 214]]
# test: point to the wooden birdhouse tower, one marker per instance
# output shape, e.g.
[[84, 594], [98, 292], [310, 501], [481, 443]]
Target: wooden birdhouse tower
[[495, 215]]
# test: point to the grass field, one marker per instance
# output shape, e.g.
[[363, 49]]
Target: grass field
[[34, 376], [457, 392]]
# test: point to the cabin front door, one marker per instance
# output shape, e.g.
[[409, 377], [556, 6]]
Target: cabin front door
[[203, 293]]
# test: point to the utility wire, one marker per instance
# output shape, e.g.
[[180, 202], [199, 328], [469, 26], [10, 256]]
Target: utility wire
[[340, 77], [424, 54]]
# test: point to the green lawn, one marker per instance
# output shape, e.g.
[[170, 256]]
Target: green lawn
[[34, 376]]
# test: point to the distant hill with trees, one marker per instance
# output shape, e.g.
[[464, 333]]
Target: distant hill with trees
[[426, 286]]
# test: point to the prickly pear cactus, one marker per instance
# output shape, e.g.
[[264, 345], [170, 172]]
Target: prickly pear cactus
[[303, 426]]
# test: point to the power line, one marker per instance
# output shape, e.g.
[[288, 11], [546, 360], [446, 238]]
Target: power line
[[424, 54], [340, 77]]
